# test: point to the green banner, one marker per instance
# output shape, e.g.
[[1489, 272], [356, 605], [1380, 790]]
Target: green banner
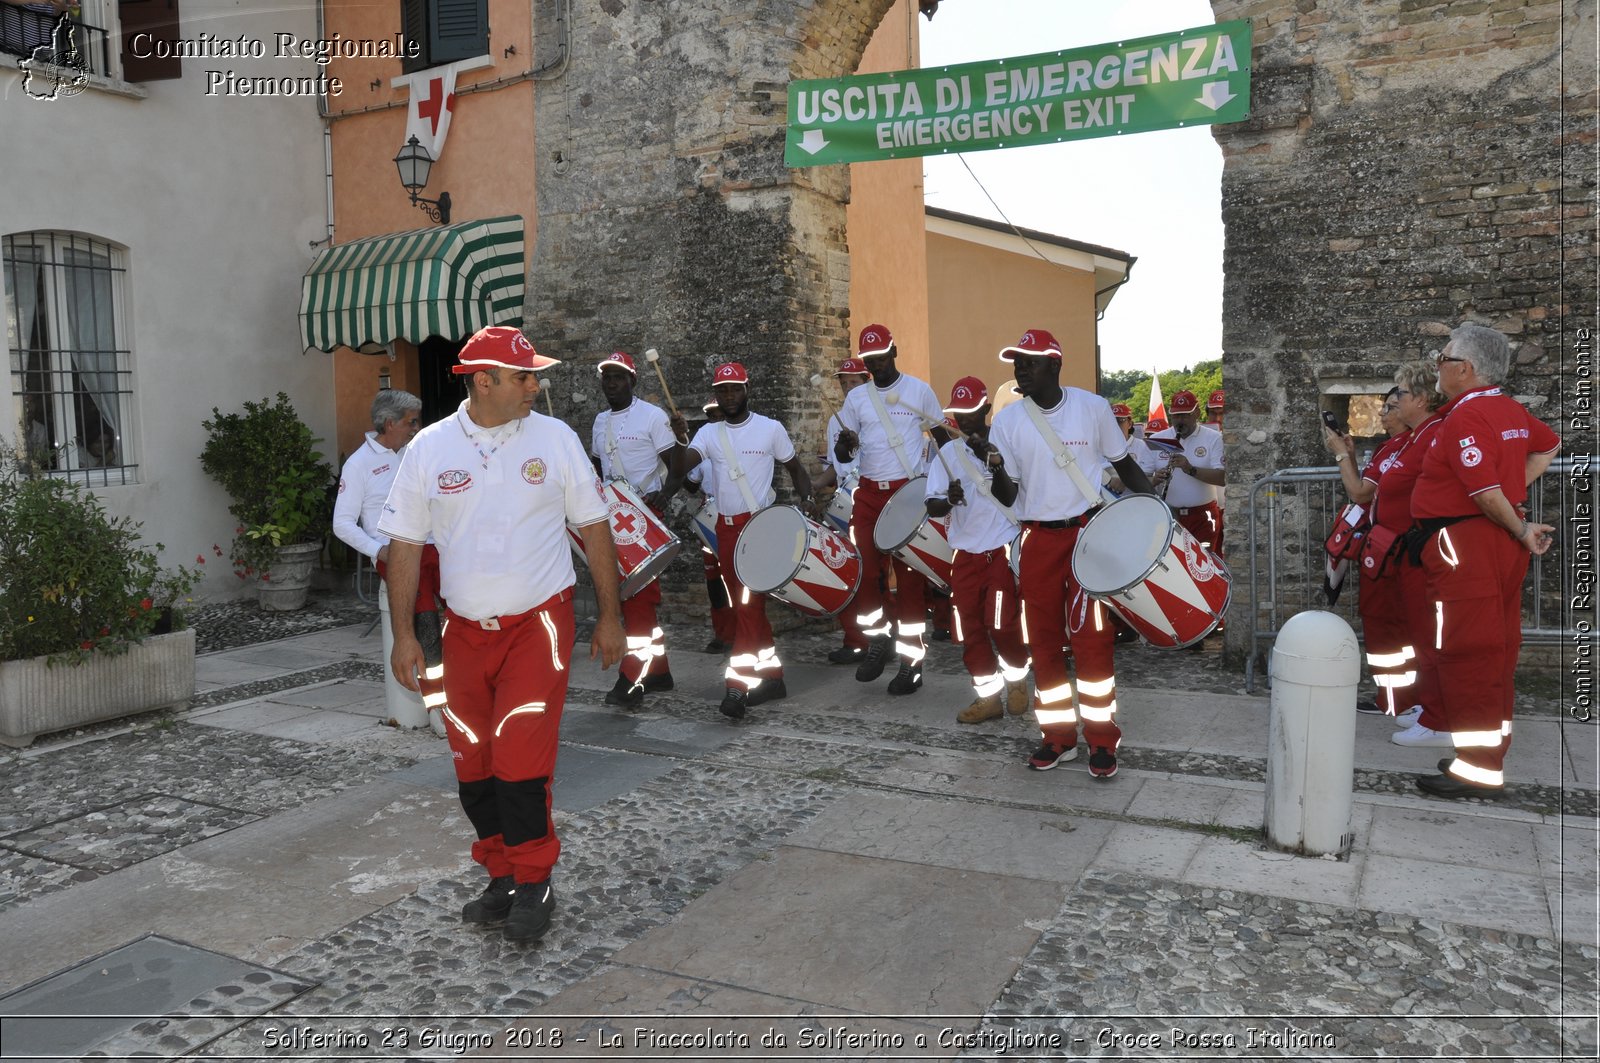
[[1196, 77]]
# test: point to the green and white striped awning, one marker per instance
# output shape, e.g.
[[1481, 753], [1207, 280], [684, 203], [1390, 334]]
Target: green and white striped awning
[[448, 281]]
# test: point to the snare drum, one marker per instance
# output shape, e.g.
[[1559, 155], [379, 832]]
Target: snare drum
[[905, 530], [1163, 581], [783, 553], [843, 503], [645, 545], [704, 520]]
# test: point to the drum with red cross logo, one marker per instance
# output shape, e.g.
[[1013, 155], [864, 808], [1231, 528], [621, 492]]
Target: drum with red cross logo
[[785, 554], [645, 545]]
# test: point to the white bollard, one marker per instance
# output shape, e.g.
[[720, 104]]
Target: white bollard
[[1311, 740], [405, 706]]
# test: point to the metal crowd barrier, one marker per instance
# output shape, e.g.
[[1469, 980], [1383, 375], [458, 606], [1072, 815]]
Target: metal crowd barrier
[[1291, 511]]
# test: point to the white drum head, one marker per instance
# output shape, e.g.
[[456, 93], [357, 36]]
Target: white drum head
[[771, 548], [902, 515], [1121, 543]]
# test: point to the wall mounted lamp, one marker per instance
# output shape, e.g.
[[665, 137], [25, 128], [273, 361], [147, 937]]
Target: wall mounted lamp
[[415, 164]]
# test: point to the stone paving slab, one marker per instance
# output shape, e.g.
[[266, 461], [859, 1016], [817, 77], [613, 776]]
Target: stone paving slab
[[337, 694], [951, 834], [586, 778], [1223, 863], [1449, 837], [880, 936], [107, 839], [319, 726], [1158, 852], [1434, 890]]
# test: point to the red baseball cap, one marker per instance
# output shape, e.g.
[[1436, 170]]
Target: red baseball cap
[[1183, 402], [729, 373], [968, 396], [499, 347], [1156, 424], [1120, 411], [852, 367], [1034, 341], [875, 339], [619, 359], [1215, 402]]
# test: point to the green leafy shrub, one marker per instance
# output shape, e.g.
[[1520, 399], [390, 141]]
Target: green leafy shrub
[[282, 490], [75, 581]]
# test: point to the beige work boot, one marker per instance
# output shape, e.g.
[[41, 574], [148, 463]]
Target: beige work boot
[[1017, 699], [981, 709]]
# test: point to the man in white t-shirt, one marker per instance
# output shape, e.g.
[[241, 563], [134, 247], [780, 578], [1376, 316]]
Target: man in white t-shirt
[[883, 429], [741, 454], [1195, 471], [495, 486], [983, 590], [1137, 447], [364, 484], [632, 441], [1048, 451], [840, 476]]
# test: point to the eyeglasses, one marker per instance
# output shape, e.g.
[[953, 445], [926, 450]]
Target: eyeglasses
[[1442, 359], [1401, 393], [1389, 408]]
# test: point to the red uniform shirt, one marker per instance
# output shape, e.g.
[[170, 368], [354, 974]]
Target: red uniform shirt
[[1484, 442], [1392, 506], [1378, 467]]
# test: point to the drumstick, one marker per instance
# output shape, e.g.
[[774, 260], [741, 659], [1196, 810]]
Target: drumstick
[[549, 407], [828, 407], [653, 356]]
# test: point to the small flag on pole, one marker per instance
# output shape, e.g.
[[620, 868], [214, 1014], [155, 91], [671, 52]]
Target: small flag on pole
[[1158, 406]]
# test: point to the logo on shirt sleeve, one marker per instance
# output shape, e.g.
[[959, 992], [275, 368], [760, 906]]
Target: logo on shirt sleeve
[[1471, 456], [341, 485], [454, 481], [533, 470]]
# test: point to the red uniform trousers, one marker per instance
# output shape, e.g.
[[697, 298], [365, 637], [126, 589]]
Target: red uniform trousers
[[1386, 631], [722, 619], [429, 600], [1057, 614], [910, 606], [1202, 522], [647, 645], [983, 596], [755, 653], [507, 688], [1475, 571], [1419, 632]]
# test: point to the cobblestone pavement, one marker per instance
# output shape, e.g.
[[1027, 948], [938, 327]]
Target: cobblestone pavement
[[1122, 965]]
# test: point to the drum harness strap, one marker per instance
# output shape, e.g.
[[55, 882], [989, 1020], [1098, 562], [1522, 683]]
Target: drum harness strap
[[895, 441], [611, 451], [985, 486], [1064, 458], [737, 467]]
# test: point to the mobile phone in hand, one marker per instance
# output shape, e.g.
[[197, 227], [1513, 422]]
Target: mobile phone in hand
[[1332, 422]]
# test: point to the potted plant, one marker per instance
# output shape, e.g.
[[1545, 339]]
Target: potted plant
[[282, 491], [91, 627]]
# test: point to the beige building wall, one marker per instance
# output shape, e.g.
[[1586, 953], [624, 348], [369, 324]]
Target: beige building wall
[[888, 257]]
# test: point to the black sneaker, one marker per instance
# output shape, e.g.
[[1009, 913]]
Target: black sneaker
[[1102, 762], [716, 646], [767, 690], [493, 904], [1369, 708], [654, 684], [1049, 754], [733, 703], [908, 680], [625, 695], [877, 657], [846, 655], [532, 905]]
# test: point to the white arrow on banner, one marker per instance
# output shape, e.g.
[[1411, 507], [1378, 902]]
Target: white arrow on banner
[[813, 141], [1214, 94]]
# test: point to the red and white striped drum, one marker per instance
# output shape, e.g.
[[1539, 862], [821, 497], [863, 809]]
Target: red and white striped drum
[[843, 502], [905, 530], [1163, 581], [704, 519], [783, 553], [645, 545]]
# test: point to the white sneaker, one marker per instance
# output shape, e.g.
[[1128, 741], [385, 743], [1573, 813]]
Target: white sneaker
[[1408, 717], [1418, 735]]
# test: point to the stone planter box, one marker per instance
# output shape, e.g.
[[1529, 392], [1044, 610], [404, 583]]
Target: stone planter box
[[36, 699]]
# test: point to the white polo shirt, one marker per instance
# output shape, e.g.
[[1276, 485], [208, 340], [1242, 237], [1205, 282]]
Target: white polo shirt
[[1084, 422], [1203, 448], [980, 525], [629, 444], [363, 485], [762, 444], [905, 400], [497, 503]]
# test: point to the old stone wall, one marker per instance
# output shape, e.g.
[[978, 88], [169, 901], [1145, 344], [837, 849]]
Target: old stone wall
[[1408, 165]]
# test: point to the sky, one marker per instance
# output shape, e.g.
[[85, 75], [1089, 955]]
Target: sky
[[1154, 195]]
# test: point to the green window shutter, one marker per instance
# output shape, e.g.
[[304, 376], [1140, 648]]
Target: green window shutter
[[459, 30]]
